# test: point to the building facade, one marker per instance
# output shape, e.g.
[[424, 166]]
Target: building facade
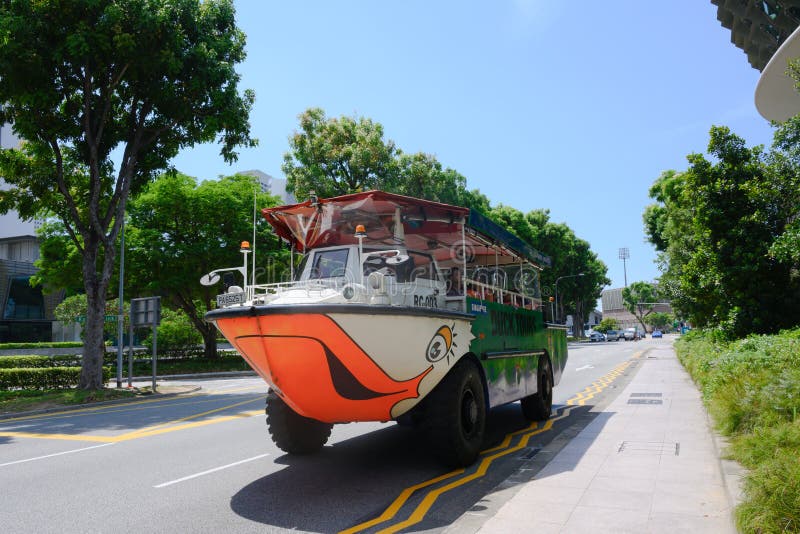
[[26, 313], [614, 308]]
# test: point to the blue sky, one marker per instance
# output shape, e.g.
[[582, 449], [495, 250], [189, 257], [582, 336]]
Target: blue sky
[[576, 107]]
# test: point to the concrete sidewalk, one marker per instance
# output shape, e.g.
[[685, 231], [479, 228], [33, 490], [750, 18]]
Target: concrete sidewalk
[[647, 463]]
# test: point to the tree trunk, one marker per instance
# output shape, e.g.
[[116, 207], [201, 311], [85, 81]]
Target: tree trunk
[[210, 341], [94, 348], [578, 319], [207, 330]]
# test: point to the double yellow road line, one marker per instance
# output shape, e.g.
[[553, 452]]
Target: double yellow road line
[[488, 456]]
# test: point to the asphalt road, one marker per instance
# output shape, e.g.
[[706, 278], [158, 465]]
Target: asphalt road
[[204, 463]]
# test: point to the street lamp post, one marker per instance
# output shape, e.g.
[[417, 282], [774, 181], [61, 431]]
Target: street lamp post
[[121, 308], [561, 278]]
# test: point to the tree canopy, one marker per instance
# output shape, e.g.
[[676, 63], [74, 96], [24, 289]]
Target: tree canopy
[[570, 256], [180, 230], [336, 156], [609, 323], [726, 229], [104, 94], [640, 298]]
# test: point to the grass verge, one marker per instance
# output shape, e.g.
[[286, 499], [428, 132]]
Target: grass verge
[[22, 400], [28, 400], [752, 390]]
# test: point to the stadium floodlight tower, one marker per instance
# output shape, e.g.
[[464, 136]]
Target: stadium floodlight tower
[[624, 255]]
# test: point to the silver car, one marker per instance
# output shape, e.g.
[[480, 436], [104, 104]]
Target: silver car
[[632, 334]]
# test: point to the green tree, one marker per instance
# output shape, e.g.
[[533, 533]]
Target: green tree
[[346, 155], [180, 230], [786, 247], [74, 309], [659, 320], [60, 261], [640, 299], [105, 93], [725, 227], [336, 156], [609, 323], [570, 255]]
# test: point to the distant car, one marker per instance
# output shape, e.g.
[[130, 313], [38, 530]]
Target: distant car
[[596, 336], [615, 335], [657, 333], [632, 334]]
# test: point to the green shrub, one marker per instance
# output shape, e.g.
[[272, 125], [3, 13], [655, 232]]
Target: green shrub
[[43, 377], [176, 334], [772, 486], [752, 389], [62, 360], [42, 345]]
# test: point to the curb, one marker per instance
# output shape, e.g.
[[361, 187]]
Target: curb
[[733, 472], [60, 409], [196, 376]]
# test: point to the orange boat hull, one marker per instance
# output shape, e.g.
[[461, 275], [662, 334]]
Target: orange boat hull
[[316, 367]]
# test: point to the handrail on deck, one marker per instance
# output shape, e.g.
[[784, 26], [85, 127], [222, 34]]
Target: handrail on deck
[[503, 296]]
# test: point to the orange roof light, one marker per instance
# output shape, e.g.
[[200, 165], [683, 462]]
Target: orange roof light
[[361, 231], [245, 245]]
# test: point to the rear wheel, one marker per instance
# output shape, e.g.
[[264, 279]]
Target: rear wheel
[[538, 407], [456, 415], [292, 432]]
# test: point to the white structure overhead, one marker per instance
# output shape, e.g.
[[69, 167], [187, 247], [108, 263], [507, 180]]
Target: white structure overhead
[[776, 96]]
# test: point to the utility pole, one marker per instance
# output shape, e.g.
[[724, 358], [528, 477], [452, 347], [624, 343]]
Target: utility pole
[[624, 255]]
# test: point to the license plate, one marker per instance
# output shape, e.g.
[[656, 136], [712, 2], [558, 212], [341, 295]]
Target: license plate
[[229, 299]]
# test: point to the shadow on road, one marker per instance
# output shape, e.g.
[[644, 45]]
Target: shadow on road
[[356, 480], [147, 412]]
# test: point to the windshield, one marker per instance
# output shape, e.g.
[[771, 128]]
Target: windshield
[[329, 263]]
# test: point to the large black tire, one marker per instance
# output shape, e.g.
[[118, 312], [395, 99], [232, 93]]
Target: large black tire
[[539, 406], [456, 415], [292, 432]]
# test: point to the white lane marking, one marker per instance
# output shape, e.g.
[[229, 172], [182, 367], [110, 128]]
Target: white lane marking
[[585, 367], [171, 482], [56, 454]]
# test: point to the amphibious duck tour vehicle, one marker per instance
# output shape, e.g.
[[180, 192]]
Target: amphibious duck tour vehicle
[[401, 309]]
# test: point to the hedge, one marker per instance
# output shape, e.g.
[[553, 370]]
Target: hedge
[[42, 345], [44, 377], [35, 361]]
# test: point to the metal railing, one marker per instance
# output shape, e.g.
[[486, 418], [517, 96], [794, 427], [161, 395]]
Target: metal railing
[[492, 293]]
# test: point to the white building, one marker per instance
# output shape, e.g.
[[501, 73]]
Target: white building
[[271, 185], [10, 223]]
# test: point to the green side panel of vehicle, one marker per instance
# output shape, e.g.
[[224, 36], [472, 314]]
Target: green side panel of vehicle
[[501, 331]]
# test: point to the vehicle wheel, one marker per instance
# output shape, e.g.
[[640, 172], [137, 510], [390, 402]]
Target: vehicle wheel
[[292, 432], [456, 415], [538, 407]]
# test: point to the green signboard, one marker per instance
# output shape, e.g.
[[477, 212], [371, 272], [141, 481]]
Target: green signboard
[[108, 318]]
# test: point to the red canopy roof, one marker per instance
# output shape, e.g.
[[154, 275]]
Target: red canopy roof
[[427, 225]]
